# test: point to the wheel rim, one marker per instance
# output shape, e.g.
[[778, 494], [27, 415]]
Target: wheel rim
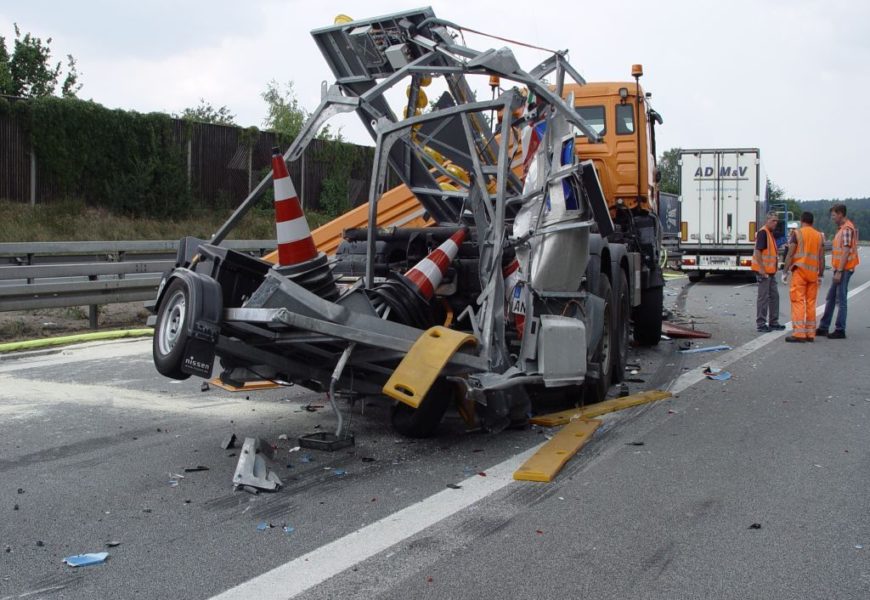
[[172, 322]]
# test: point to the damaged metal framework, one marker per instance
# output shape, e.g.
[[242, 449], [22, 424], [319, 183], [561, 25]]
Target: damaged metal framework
[[508, 264]]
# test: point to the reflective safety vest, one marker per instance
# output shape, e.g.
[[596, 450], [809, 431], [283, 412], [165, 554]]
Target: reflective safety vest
[[809, 244], [843, 258], [768, 255]]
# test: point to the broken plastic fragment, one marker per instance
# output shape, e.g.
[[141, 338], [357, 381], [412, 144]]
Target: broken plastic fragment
[[755, 526], [85, 560], [288, 529], [263, 526], [706, 349], [306, 458], [453, 486], [195, 469], [339, 472]]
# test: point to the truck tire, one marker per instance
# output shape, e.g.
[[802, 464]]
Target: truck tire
[[621, 317], [648, 317], [170, 331], [595, 389], [421, 422], [696, 276]]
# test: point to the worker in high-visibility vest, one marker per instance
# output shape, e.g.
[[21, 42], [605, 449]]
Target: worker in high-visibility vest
[[764, 263], [844, 259], [805, 265]]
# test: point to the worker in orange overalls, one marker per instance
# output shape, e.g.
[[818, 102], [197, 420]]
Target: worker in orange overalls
[[764, 259], [805, 264], [844, 259]]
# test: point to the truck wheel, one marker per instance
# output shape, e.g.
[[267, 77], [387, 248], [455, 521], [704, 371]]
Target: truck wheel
[[648, 317], [696, 276], [621, 316], [595, 389], [421, 422], [170, 332]]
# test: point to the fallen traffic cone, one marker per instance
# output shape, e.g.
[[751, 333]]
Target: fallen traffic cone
[[427, 274], [295, 244], [406, 298]]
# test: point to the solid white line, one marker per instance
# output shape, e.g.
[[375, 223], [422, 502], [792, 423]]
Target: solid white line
[[690, 378], [306, 571], [309, 570]]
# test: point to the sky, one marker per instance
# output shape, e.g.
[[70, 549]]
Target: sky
[[774, 74]]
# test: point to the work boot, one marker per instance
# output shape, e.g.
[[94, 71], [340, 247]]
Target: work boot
[[797, 340], [763, 329], [837, 335], [776, 327], [822, 332]]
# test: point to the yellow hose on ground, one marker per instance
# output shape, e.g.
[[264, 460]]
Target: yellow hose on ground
[[75, 339]]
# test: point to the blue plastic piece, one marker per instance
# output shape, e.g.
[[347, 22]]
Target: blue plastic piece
[[86, 560]]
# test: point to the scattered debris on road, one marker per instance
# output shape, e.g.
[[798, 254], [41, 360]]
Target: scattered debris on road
[[755, 526], [717, 374], [204, 387], [229, 442], [195, 469]]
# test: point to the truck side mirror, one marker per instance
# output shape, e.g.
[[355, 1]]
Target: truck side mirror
[[658, 175]]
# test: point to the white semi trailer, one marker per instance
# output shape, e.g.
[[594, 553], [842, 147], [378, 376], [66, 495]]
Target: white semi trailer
[[722, 203]]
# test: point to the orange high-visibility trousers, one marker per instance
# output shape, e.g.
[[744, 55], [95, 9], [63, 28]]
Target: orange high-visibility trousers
[[803, 292]]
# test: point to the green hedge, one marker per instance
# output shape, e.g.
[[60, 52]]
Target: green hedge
[[128, 162]]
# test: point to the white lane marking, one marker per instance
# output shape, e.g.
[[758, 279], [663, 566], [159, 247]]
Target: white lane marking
[[305, 572], [692, 377], [737, 287], [317, 566]]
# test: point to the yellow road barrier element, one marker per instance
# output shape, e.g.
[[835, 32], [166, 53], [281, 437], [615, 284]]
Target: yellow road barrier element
[[549, 460], [602, 408], [75, 339], [412, 379], [247, 387]]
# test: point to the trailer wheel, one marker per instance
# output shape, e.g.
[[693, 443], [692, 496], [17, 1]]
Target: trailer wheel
[[170, 332], [421, 422], [648, 317], [595, 390], [622, 314]]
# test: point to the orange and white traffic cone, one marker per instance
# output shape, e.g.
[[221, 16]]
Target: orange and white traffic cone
[[295, 244], [427, 274]]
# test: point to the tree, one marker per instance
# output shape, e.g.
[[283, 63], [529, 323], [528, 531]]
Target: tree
[[669, 167], [284, 114], [206, 113], [28, 71]]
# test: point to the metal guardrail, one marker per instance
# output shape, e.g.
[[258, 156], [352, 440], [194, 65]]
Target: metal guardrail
[[60, 274]]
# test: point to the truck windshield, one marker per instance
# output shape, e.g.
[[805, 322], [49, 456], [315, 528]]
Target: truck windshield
[[594, 115], [624, 119]]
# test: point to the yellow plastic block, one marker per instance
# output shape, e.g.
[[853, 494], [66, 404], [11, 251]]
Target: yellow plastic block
[[602, 408], [549, 460], [247, 387], [412, 379]]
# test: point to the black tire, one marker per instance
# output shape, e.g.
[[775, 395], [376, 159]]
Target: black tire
[[595, 389], [424, 420], [648, 317], [696, 276], [170, 331], [621, 317]]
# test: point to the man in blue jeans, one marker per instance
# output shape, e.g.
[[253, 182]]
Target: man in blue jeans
[[844, 259]]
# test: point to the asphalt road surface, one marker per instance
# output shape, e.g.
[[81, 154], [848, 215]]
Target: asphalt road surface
[[754, 487]]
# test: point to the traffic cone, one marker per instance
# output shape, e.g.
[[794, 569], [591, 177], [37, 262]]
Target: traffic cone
[[295, 244], [427, 274]]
